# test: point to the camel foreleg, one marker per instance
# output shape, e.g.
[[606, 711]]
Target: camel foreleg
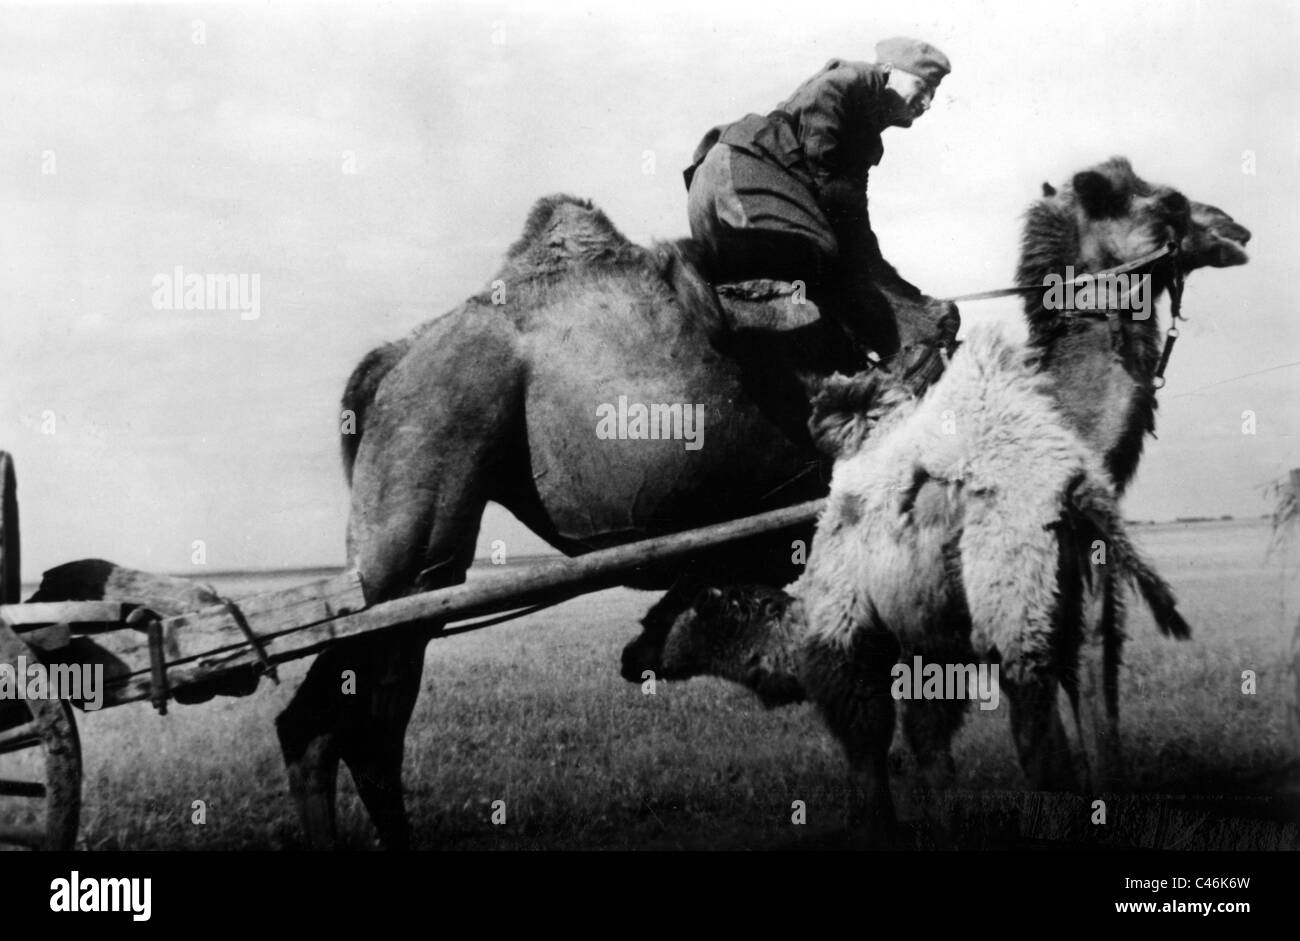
[[850, 682]]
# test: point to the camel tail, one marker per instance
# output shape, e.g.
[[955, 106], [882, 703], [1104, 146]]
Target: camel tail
[[1097, 505], [360, 392]]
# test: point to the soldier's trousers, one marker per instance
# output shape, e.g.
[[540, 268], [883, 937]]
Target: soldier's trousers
[[760, 222]]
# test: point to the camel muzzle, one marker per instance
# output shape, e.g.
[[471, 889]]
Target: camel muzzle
[[640, 656]]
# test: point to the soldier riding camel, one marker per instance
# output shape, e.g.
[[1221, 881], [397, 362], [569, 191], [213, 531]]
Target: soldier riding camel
[[784, 196]]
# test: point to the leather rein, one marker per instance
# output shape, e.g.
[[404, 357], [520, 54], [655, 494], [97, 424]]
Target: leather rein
[[1170, 250]]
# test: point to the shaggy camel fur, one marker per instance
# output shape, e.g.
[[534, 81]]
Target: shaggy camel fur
[[968, 530]]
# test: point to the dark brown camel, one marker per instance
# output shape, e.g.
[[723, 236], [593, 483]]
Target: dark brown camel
[[497, 400]]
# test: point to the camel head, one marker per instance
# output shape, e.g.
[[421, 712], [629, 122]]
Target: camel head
[[1107, 215], [1215, 240], [737, 633], [700, 634]]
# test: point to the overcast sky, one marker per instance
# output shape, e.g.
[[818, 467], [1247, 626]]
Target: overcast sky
[[130, 148]]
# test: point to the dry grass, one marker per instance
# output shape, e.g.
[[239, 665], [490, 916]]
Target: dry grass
[[534, 713]]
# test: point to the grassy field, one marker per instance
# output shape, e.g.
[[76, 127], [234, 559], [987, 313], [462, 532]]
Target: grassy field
[[533, 713]]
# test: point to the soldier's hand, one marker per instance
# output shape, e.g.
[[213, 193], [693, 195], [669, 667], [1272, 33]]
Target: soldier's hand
[[947, 322], [922, 362], [945, 315]]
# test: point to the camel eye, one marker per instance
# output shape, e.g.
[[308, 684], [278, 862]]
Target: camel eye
[[1176, 204]]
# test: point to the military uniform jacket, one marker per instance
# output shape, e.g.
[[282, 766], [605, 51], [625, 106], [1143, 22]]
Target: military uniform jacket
[[827, 132]]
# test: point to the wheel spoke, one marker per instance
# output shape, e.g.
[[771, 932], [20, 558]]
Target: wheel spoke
[[32, 837], [20, 736], [21, 788], [48, 728]]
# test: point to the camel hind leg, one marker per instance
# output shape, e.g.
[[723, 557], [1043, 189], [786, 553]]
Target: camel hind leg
[[428, 461], [365, 726], [359, 695]]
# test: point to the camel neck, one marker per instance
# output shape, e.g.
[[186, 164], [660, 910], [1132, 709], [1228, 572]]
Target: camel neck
[[1102, 368]]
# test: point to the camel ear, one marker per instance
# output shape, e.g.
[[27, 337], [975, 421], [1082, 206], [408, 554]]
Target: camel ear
[[1096, 194], [1049, 189]]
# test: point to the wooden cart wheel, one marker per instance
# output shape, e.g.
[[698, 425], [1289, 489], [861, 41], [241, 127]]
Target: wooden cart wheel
[[10, 555], [40, 765]]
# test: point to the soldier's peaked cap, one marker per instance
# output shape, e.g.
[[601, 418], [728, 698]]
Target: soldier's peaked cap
[[913, 55]]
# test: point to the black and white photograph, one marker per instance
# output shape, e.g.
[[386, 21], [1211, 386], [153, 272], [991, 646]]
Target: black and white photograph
[[556, 426]]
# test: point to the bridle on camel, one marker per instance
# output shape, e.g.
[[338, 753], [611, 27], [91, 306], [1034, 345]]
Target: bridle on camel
[[1170, 250]]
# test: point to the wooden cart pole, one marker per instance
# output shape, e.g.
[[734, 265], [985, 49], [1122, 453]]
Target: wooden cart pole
[[569, 577], [204, 646]]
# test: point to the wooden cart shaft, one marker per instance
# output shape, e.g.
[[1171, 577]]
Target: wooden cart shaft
[[209, 652]]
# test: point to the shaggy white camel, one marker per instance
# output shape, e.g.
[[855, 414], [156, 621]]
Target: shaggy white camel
[[970, 529]]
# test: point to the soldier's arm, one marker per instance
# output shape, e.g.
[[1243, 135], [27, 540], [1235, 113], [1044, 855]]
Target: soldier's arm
[[846, 93], [838, 95], [882, 272], [845, 205]]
